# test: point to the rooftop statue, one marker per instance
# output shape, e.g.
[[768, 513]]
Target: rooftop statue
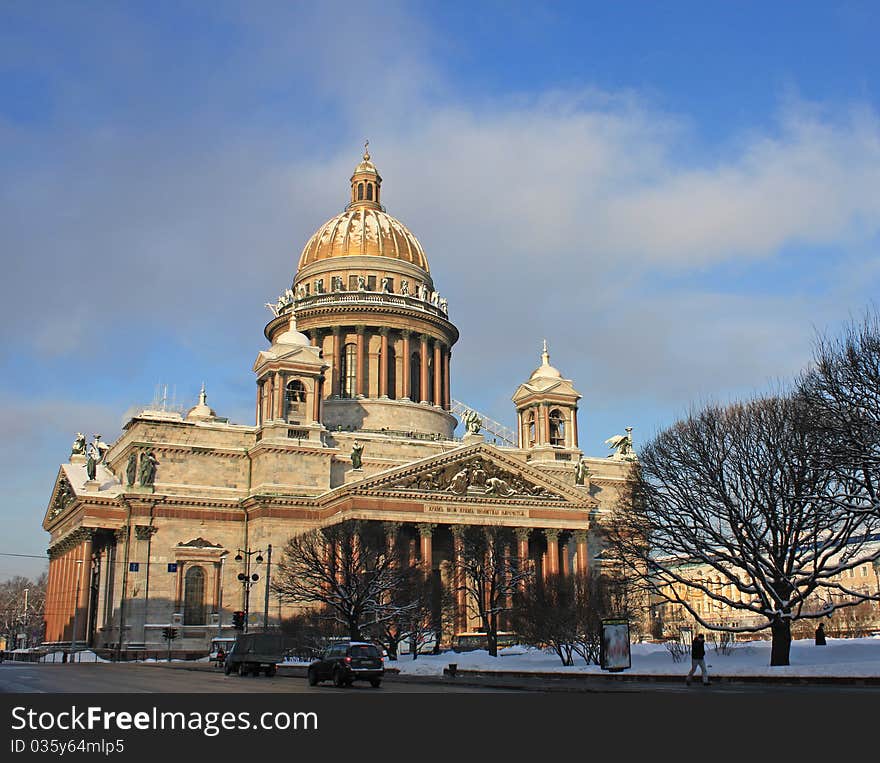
[[357, 449], [622, 446], [472, 422], [79, 445], [404, 287], [581, 472], [149, 462], [131, 468]]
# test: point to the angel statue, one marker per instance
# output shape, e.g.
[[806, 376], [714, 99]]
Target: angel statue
[[472, 422], [621, 444], [79, 445]]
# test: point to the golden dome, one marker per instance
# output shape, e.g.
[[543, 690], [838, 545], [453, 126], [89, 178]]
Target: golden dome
[[364, 228]]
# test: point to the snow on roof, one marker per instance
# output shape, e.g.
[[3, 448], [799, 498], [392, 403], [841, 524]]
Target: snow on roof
[[76, 475]]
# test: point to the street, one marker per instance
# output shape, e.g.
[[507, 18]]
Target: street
[[140, 678], [198, 678]]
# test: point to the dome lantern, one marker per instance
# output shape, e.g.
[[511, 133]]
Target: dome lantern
[[365, 183]]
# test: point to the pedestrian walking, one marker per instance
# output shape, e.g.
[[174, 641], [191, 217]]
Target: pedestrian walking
[[820, 635], [698, 658]]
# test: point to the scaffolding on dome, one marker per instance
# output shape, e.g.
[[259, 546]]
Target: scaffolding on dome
[[504, 435]]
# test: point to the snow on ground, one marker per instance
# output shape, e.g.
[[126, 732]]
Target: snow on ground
[[841, 657], [79, 656]]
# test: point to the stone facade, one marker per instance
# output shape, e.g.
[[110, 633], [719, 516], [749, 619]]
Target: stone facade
[[360, 353]]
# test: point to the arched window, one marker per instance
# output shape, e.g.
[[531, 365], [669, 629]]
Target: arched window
[[530, 428], [392, 370], [294, 396], [360, 191], [415, 376], [369, 191], [348, 373], [194, 597], [557, 427]]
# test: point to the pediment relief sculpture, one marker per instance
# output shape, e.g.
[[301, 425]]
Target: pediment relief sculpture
[[63, 498], [476, 476]]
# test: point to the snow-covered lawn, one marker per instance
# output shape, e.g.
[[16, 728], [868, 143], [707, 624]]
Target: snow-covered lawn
[[841, 657]]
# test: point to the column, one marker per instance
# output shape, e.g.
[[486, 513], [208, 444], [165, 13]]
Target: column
[[359, 374], [316, 399], [64, 595], [279, 397], [49, 611], [447, 397], [583, 561], [438, 374], [458, 577], [564, 560], [319, 397], [383, 365], [336, 370], [522, 551], [425, 533], [85, 577], [574, 427], [407, 380], [552, 552], [257, 418], [546, 419], [423, 392]]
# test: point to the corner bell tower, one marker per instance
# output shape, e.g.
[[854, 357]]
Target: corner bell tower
[[546, 411]]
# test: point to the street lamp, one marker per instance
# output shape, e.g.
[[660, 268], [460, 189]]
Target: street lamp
[[76, 607], [248, 578]]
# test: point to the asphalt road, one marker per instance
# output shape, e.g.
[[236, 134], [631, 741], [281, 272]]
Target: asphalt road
[[138, 678]]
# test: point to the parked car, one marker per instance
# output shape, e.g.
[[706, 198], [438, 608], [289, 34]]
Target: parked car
[[255, 652], [219, 649], [347, 662]]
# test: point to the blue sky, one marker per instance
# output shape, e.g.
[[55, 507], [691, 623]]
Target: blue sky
[[677, 195]]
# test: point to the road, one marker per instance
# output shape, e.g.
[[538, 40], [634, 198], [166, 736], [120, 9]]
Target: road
[[139, 678]]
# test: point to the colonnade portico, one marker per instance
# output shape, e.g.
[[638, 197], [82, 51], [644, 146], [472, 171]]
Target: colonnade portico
[[438, 548], [390, 363]]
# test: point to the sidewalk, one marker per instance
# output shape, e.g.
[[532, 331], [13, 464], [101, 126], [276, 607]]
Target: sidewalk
[[561, 681]]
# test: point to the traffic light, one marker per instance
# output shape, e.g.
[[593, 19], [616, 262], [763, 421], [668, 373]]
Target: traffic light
[[238, 620], [169, 634]]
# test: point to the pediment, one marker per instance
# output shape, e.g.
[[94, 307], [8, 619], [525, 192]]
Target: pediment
[[544, 386], [304, 354], [199, 542], [480, 470], [63, 497]]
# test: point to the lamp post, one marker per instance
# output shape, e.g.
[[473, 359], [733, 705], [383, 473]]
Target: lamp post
[[248, 578], [266, 602], [76, 607]]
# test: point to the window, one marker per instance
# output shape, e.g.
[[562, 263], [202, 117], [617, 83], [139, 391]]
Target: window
[[348, 373], [134, 566], [369, 191], [352, 283], [415, 376], [371, 283], [360, 191], [194, 597], [172, 566], [294, 396], [865, 571], [557, 428], [530, 427]]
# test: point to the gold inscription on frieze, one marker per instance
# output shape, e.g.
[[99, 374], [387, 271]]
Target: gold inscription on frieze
[[480, 510]]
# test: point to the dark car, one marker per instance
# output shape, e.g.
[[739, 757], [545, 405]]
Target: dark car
[[347, 662]]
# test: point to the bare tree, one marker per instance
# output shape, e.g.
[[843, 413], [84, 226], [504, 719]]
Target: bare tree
[[22, 604], [546, 615], [491, 574], [743, 493], [842, 391], [349, 571]]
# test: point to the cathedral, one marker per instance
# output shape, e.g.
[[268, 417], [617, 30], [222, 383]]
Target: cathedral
[[174, 524]]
